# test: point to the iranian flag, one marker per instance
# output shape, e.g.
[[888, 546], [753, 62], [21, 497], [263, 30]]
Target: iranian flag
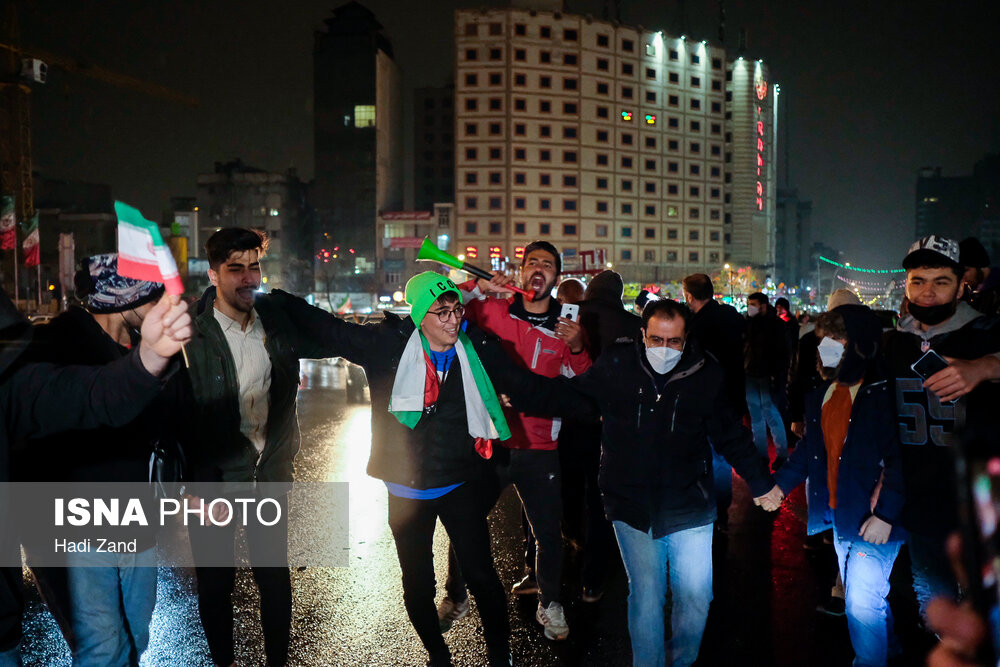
[[8, 223], [31, 244], [142, 254], [345, 305]]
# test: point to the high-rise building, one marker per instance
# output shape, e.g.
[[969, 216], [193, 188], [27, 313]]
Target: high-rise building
[[433, 146], [793, 238], [599, 136], [961, 206], [238, 195], [358, 138]]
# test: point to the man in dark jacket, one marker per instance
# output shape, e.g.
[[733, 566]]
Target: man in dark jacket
[[37, 400], [435, 420], [930, 411], [244, 378], [982, 281], [603, 315], [855, 474], [718, 328], [104, 601], [766, 364], [661, 400]]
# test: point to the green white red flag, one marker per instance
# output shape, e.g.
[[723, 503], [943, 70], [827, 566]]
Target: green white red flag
[[8, 223], [142, 254], [31, 244]]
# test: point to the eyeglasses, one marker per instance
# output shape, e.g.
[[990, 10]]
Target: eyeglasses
[[445, 315]]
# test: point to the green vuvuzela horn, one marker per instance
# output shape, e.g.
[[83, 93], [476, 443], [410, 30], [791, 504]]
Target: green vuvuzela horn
[[431, 253]]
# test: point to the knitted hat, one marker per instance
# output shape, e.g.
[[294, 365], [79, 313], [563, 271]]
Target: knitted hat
[[100, 287], [423, 289], [841, 297]]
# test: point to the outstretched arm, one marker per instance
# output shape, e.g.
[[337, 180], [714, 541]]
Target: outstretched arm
[[322, 334]]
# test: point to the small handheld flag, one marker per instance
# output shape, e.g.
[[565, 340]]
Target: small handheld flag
[[142, 254]]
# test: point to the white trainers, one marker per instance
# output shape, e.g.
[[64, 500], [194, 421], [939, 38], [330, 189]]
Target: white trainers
[[553, 619], [449, 612]]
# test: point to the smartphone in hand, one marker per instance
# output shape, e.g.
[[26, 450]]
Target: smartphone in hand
[[929, 364], [570, 311]]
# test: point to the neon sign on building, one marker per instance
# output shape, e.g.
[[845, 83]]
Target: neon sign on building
[[760, 87]]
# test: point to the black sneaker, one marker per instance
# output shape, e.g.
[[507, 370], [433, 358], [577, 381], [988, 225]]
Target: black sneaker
[[832, 607]]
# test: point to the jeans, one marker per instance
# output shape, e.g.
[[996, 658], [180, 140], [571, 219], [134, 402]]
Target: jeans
[[216, 584], [111, 598], [685, 558], [537, 478], [462, 513], [764, 414], [865, 569], [11, 657], [932, 573]]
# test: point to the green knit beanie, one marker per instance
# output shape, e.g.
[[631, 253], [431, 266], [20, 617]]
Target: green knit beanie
[[423, 289]]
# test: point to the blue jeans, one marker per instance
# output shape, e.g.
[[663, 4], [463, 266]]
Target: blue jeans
[[686, 558], [112, 602], [764, 414], [865, 569], [11, 657]]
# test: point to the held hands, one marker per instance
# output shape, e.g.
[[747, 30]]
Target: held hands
[[164, 331], [771, 500], [875, 530], [962, 376], [219, 513], [572, 333]]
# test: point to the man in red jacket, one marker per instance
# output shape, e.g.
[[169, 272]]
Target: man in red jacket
[[533, 334]]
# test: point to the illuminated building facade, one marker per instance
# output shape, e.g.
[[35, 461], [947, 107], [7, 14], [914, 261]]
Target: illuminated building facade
[[602, 137]]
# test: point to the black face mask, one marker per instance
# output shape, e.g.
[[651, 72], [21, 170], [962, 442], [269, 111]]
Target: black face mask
[[931, 315]]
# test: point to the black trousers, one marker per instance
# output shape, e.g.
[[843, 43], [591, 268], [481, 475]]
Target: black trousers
[[412, 523], [215, 586]]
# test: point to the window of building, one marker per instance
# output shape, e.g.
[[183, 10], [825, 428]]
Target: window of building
[[545, 81], [495, 79], [545, 179], [471, 104], [471, 129], [602, 135], [650, 142], [471, 54], [627, 138], [471, 30], [545, 155], [569, 108], [569, 156], [494, 228], [627, 70], [626, 162], [650, 73], [471, 177], [520, 154], [520, 129], [673, 145], [714, 193], [495, 178], [569, 230], [495, 129], [628, 45], [520, 29], [471, 80], [716, 107], [716, 85], [544, 57], [602, 64], [627, 92], [649, 255], [601, 231], [716, 128], [672, 122], [496, 54], [471, 203], [545, 204], [672, 167], [694, 147], [520, 178], [494, 203], [671, 234], [716, 149], [602, 112], [626, 255], [716, 63], [569, 132], [602, 89], [651, 97], [693, 235], [602, 159], [626, 185], [626, 208], [569, 59], [545, 106], [672, 190], [671, 255], [544, 228], [694, 170], [569, 181], [695, 104], [495, 153], [569, 204], [694, 191], [650, 165], [715, 172], [650, 232], [693, 257], [520, 55], [602, 207], [470, 153], [694, 213], [696, 82], [626, 232], [520, 228], [520, 104], [545, 130], [673, 55], [695, 59], [602, 40], [650, 187], [713, 236], [496, 29], [545, 31], [695, 126], [569, 84]]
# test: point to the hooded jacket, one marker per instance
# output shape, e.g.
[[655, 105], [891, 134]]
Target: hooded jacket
[[871, 450], [603, 315], [38, 400], [929, 429], [535, 348], [656, 461]]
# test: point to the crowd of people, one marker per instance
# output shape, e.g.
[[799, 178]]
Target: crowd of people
[[619, 431]]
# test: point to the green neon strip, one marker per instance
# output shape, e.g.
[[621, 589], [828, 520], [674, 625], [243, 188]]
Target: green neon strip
[[854, 268]]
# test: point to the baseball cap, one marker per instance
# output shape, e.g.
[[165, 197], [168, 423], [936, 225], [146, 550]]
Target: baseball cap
[[932, 250]]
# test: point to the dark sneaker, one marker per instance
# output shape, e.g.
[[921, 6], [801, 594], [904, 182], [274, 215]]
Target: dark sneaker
[[527, 586], [592, 594], [450, 611]]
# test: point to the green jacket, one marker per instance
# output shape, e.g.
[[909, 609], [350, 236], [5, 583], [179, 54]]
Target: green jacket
[[217, 450]]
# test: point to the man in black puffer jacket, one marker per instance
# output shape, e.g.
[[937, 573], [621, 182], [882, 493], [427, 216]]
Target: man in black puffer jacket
[[661, 400]]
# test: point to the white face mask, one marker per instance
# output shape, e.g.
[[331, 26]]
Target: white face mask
[[663, 359], [830, 352], [753, 311]]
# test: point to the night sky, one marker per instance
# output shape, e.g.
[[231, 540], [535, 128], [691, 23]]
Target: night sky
[[875, 90]]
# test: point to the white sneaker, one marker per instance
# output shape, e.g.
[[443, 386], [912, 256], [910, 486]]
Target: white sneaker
[[449, 612], [553, 619]]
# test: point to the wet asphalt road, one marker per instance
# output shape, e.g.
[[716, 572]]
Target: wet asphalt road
[[766, 585]]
